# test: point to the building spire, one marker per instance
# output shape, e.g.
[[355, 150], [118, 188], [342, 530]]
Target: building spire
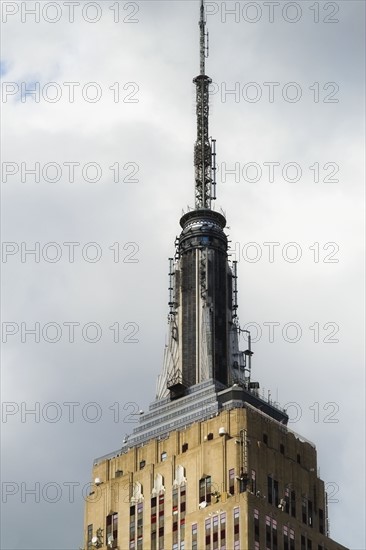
[[204, 151], [202, 24]]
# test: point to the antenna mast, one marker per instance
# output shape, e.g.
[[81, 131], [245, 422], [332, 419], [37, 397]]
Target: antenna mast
[[204, 161]]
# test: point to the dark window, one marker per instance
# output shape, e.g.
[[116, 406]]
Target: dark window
[[292, 539], [90, 534], [274, 535], [140, 527], [112, 530], [236, 528], [119, 473], [298, 458], [223, 529], [253, 482], [184, 447], [265, 439], [272, 491], [268, 533], [293, 504], [132, 526], [153, 523], [161, 520], [310, 513], [215, 533], [205, 489], [309, 545], [208, 534], [321, 521], [304, 510], [307, 511], [142, 464], [290, 498], [282, 449], [275, 492], [210, 436], [232, 481], [256, 525], [194, 536], [303, 543]]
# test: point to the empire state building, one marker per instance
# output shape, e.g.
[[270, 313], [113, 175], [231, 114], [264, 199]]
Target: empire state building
[[212, 465]]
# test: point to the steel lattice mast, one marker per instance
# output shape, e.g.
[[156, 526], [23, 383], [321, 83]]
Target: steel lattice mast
[[203, 151]]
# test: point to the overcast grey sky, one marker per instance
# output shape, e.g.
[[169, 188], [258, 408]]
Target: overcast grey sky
[[298, 72]]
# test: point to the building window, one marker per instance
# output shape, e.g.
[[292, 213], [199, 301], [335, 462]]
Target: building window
[[161, 521], [271, 534], [282, 449], [223, 531], [307, 511], [179, 515], [321, 521], [184, 447], [132, 526], [232, 481], [292, 539], [253, 482], [303, 543], [163, 456], [182, 504], [236, 529], [286, 540], [256, 526], [290, 498], [112, 530], [208, 534], [140, 526], [310, 546], [90, 535], [298, 458], [209, 436], [194, 537], [265, 439], [142, 464], [272, 491], [215, 533], [153, 522], [205, 489], [274, 535], [268, 533]]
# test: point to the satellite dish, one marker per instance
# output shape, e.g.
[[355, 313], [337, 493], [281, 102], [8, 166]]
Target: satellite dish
[[202, 504], [97, 481], [94, 540]]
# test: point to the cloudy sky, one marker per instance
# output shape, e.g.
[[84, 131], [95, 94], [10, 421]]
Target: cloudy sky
[[111, 125]]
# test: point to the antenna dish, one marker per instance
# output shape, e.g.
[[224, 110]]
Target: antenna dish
[[97, 481], [202, 504], [94, 540]]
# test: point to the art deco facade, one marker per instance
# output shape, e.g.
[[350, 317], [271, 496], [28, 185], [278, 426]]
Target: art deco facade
[[211, 465]]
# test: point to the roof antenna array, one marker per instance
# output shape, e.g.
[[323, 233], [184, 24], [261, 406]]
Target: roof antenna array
[[204, 150]]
